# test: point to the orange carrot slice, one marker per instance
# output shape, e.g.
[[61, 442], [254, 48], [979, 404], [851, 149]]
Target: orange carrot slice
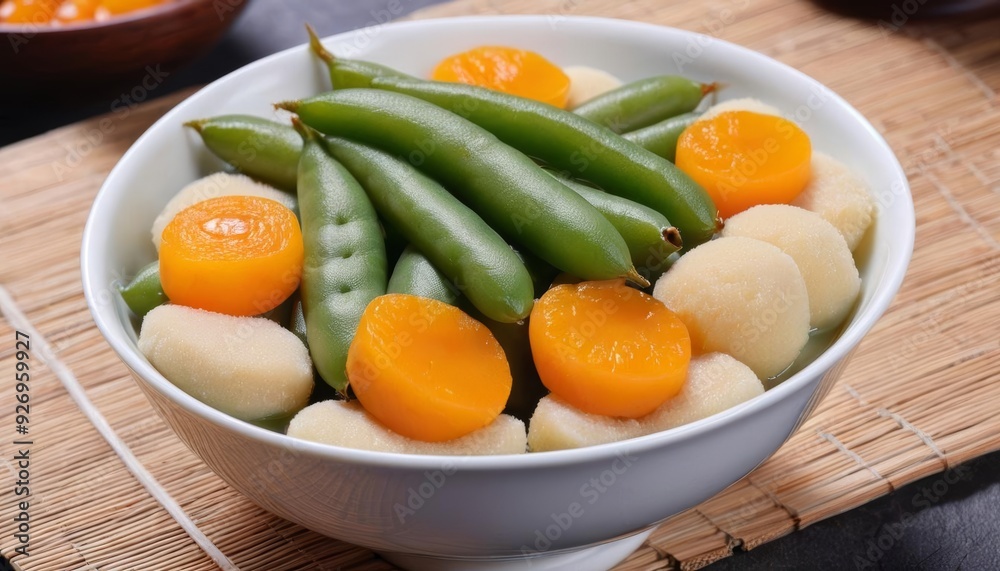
[[743, 159], [519, 72], [28, 11], [427, 370], [238, 255], [608, 349]]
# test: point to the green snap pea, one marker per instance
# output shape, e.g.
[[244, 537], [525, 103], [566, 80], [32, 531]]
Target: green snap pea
[[661, 138], [650, 237], [579, 146], [261, 149], [505, 187], [348, 73], [414, 274], [644, 102], [144, 292], [561, 138], [345, 265], [453, 237]]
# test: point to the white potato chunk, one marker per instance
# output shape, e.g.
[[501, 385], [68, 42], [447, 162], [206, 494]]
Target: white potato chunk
[[347, 424], [742, 297], [742, 104], [818, 249], [248, 367], [586, 83], [715, 382], [212, 186], [840, 197]]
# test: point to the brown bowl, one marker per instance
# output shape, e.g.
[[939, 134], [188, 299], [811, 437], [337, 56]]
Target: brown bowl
[[160, 38]]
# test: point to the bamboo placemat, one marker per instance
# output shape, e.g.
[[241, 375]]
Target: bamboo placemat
[[920, 395]]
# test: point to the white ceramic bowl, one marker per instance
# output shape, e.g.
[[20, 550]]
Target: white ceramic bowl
[[492, 509]]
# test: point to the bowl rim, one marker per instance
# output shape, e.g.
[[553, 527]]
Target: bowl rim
[[128, 17], [849, 338]]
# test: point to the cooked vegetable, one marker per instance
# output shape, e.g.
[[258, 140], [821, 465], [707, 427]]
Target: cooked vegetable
[[586, 83], [511, 70], [414, 274], [348, 72], [563, 139], [144, 292], [37, 12], [840, 197], [345, 264], [744, 159], [511, 193], [650, 238], [644, 102], [819, 251], [715, 382], [347, 424], [248, 367], [448, 233], [608, 349], [238, 255], [266, 150], [742, 297], [213, 186], [580, 147], [425, 369], [661, 138]]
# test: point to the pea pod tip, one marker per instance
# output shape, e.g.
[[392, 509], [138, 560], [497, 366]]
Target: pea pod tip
[[712, 87], [196, 124], [287, 105], [635, 277], [316, 45]]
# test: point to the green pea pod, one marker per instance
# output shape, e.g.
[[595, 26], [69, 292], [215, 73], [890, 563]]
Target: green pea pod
[[453, 237], [505, 187], [576, 145], [414, 274], [144, 292], [261, 149], [661, 138], [345, 265], [644, 102], [348, 73], [650, 237]]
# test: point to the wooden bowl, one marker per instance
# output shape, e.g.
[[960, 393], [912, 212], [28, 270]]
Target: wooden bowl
[[159, 38]]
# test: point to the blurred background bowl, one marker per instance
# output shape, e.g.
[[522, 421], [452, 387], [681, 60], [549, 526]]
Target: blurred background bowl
[[41, 57]]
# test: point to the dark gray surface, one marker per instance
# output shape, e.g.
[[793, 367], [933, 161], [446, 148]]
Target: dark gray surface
[[947, 521]]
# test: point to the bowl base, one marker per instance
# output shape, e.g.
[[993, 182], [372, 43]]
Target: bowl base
[[597, 558]]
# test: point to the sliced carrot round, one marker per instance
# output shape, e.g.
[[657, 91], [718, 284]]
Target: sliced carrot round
[[427, 370], [514, 71], [28, 11], [608, 349], [238, 255], [743, 159]]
